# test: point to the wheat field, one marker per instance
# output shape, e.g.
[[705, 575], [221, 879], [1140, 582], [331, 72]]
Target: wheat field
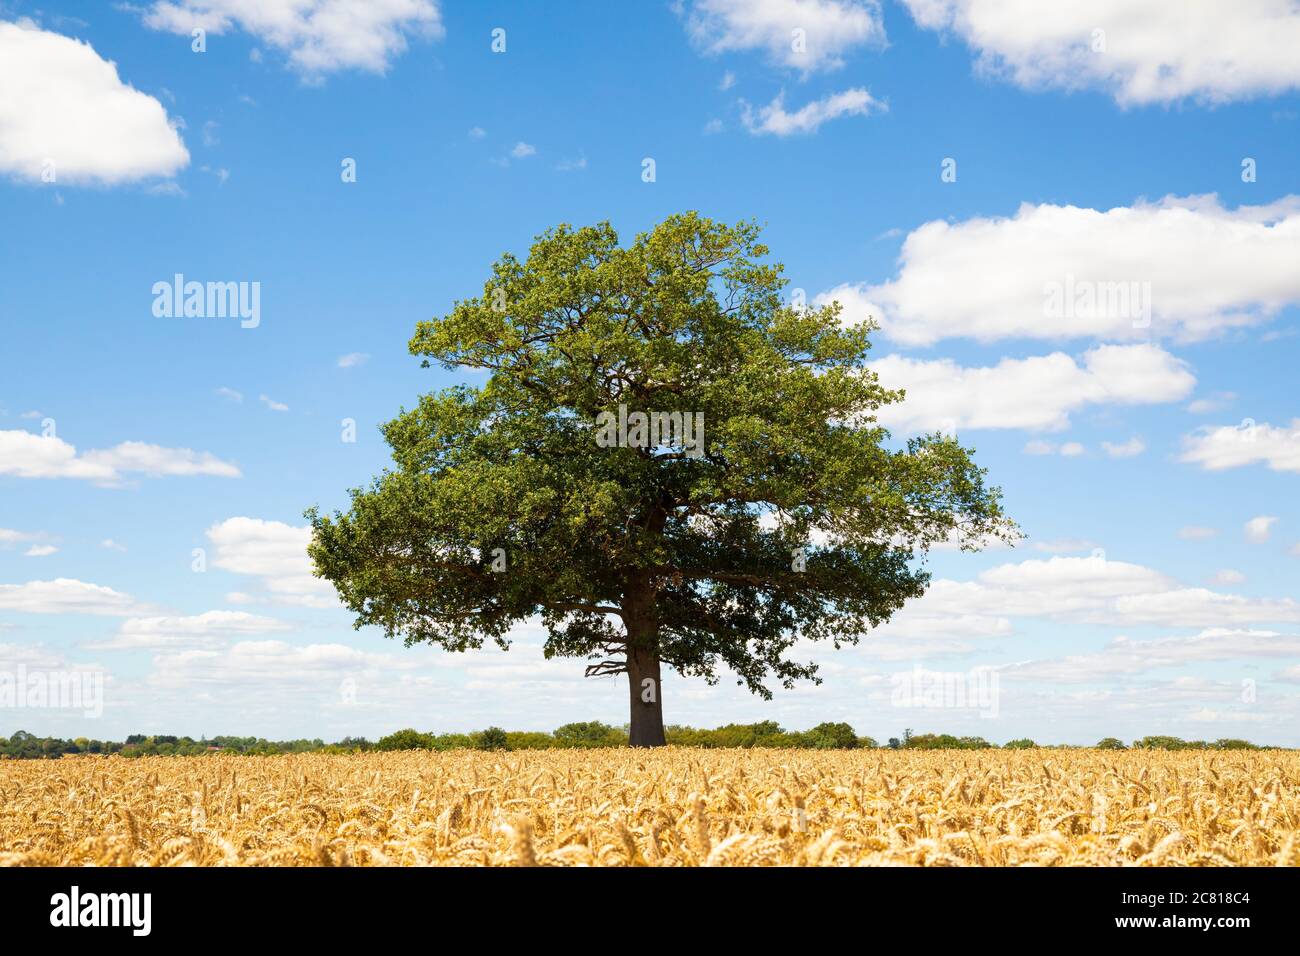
[[671, 807]]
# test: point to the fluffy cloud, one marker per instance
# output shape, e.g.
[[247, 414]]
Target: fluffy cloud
[[775, 120], [1124, 656], [1199, 607], [913, 634], [204, 629], [1064, 546], [1202, 406], [319, 36], [273, 663], [1071, 449], [1134, 446], [1228, 576], [1098, 591], [829, 28], [9, 537], [66, 596], [276, 554], [1038, 392], [1182, 267], [1259, 529], [1150, 51], [25, 455], [1219, 447], [62, 104]]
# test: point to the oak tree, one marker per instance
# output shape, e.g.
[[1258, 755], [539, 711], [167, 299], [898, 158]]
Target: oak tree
[[792, 517]]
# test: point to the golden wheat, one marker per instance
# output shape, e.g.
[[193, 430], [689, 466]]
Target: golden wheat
[[671, 807]]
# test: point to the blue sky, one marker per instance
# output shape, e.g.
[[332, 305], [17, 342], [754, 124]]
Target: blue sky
[[1151, 460]]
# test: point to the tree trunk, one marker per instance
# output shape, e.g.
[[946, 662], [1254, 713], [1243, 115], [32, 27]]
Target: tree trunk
[[645, 695]]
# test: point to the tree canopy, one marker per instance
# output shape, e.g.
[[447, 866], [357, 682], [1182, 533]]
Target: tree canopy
[[791, 517]]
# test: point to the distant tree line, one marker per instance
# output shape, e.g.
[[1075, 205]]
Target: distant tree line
[[593, 733]]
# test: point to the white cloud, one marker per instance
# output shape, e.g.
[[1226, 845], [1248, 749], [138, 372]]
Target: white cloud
[[319, 36], [230, 393], [1134, 446], [1196, 533], [727, 82], [1072, 449], [477, 132], [352, 359], [773, 118], [40, 551], [61, 103], [522, 150], [1037, 393], [24, 455], [168, 188], [1258, 530], [110, 545], [1227, 576], [1214, 403], [207, 629], [912, 634], [1216, 448], [1199, 607], [10, 537], [955, 540], [220, 173], [272, 404], [1098, 591], [37, 656], [276, 554], [1182, 267], [830, 28], [273, 663], [1153, 52], [1064, 546], [1124, 656], [65, 596]]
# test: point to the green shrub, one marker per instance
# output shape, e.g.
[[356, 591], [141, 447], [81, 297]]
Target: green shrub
[[407, 739], [829, 736], [945, 742], [494, 738], [589, 733]]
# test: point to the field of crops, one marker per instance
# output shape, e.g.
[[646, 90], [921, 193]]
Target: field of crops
[[674, 807]]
